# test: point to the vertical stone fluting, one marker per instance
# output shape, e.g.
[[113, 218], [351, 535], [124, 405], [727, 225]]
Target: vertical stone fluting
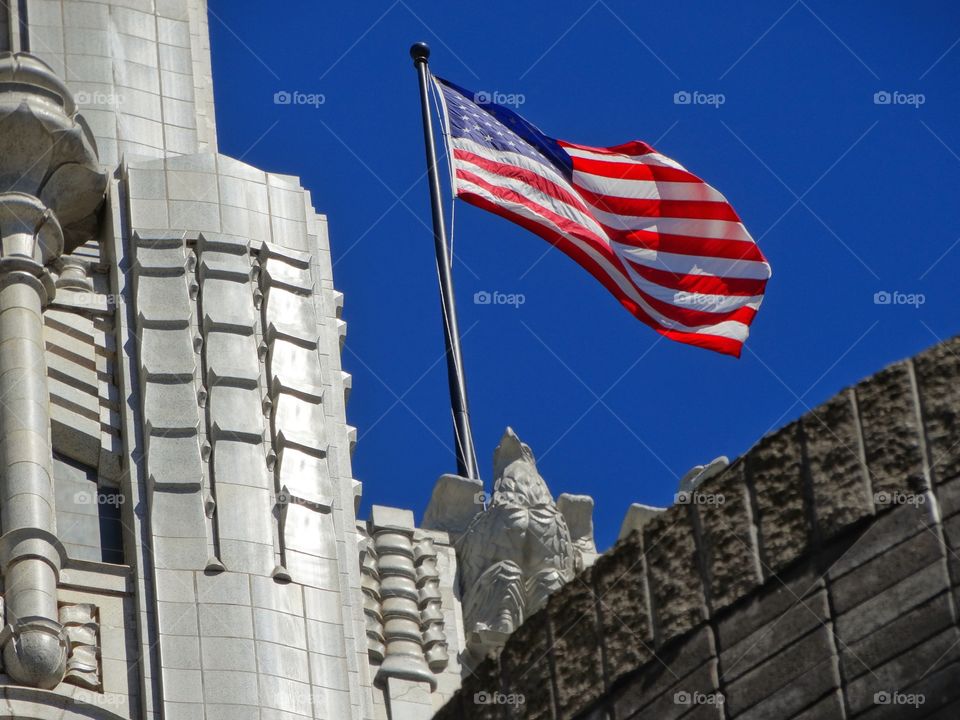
[[431, 614], [400, 597], [35, 650]]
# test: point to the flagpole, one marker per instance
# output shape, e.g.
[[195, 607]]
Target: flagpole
[[463, 436]]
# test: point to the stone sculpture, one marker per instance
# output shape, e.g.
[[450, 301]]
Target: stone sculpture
[[513, 554]]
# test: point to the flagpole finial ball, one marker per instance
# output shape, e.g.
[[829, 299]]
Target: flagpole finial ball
[[419, 51]]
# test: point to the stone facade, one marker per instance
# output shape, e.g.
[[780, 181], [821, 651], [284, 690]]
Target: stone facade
[[816, 577]]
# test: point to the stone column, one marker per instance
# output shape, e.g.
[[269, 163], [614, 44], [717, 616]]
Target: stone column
[[51, 187], [35, 650]]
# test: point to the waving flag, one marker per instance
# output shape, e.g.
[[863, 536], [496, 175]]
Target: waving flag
[[668, 246]]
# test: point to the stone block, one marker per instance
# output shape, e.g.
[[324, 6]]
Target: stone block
[[240, 463], [938, 381], [729, 550], [673, 571], [775, 470], [900, 673], [239, 688], [235, 414], [231, 359], [224, 266], [223, 588], [841, 490], [305, 476], [244, 513], [296, 370], [574, 625], [797, 620], [779, 671], [526, 669], [894, 638], [232, 654], [163, 302], [167, 355], [170, 407], [891, 432], [791, 698], [883, 571], [299, 423], [885, 607], [289, 315], [174, 462], [623, 606], [228, 621], [227, 306]]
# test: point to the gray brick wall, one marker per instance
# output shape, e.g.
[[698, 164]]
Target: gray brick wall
[[823, 586]]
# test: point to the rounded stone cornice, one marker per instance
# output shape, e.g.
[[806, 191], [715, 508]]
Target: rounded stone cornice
[[46, 149]]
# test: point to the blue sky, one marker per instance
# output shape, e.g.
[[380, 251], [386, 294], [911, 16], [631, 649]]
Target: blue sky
[[848, 197]]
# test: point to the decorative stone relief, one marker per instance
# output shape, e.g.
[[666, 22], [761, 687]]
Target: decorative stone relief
[[83, 660], [514, 554], [402, 599]]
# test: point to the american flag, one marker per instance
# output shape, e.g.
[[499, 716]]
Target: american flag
[[668, 246]]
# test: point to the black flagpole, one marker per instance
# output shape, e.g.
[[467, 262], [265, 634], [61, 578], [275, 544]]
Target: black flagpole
[[466, 457]]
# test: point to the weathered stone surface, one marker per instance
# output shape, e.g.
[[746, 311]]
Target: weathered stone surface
[[885, 607], [624, 607], [788, 700], [804, 615], [894, 638], [526, 668], [728, 546], [574, 627], [829, 708], [841, 492], [938, 383], [899, 674], [477, 693], [673, 570], [891, 436], [885, 570], [779, 672], [775, 471]]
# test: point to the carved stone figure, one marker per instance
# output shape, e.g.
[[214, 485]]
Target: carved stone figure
[[513, 554]]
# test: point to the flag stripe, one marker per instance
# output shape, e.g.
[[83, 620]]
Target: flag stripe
[[668, 246]]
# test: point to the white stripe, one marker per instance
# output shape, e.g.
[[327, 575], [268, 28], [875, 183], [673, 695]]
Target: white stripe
[[682, 299], [544, 169], [568, 211], [653, 158], [646, 189], [730, 328], [696, 264], [694, 227]]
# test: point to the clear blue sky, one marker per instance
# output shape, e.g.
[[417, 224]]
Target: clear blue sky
[[846, 197]]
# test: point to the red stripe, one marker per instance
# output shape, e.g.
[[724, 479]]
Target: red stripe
[[627, 170], [727, 346], [528, 177], [686, 315], [690, 245], [639, 207], [706, 284], [634, 147]]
